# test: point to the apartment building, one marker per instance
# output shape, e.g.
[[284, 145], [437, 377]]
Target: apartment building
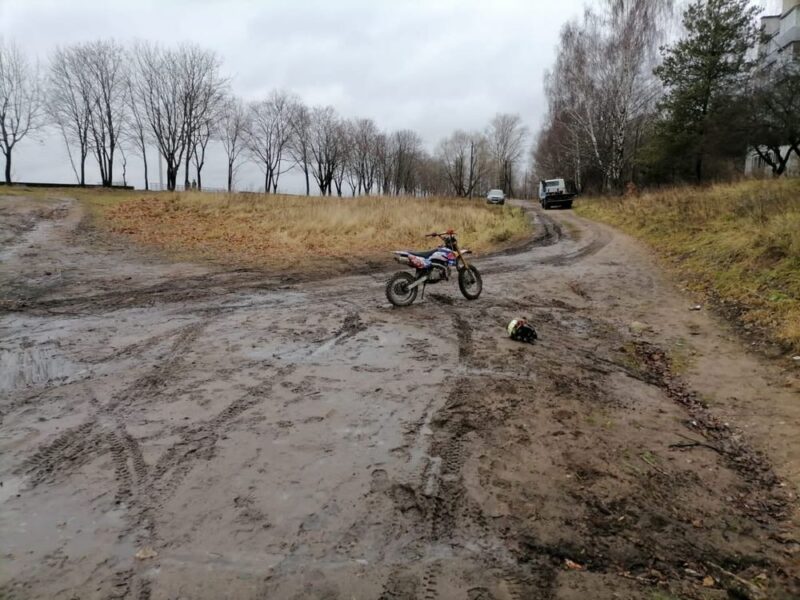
[[782, 44]]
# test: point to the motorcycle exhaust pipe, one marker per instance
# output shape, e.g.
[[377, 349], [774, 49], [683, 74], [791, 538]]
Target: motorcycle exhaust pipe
[[418, 282]]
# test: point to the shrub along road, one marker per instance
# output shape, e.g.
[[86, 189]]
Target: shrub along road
[[171, 430]]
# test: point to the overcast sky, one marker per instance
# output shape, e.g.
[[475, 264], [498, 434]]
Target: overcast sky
[[432, 66]]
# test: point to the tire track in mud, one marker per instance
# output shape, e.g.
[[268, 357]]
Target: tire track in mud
[[430, 580], [134, 450], [122, 472], [554, 235], [464, 333], [591, 248], [66, 452], [141, 489], [152, 381], [105, 432], [198, 443], [185, 289], [399, 585], [550, 233], [156, 485], [446, 513], [351, 326], [431, 501], [449, 514], [131, 349], [79, 444]]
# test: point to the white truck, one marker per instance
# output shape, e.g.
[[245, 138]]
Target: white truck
[[556, 192]]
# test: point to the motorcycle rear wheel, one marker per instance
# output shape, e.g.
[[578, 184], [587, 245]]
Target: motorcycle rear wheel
[[397, 291], [470, 282]]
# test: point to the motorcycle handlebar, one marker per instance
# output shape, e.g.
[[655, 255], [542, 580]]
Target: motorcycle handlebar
[[434, 234]]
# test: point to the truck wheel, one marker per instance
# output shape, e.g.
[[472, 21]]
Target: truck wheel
[[568, 204]]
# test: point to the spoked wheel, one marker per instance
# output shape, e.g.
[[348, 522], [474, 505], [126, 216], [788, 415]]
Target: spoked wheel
[[397, 291], [470, 282]]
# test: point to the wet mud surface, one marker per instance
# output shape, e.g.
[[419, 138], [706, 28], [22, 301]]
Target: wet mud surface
[[170, 430]]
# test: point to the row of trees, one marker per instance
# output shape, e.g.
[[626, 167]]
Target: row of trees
[[623, 108], [106, 100]]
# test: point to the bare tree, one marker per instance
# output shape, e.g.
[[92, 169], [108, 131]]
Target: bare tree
[[157, 89], [431, 178], [137, 130], [269, 134], [69, 105], [558, 150], [603, 82], [232, 131], [506, 136], [20, 101], [385, 163], [325, 147], [124, 158], [202, 137], [364, 156], [103, 65], [345, 155], [406, 151], [299, 144], [351, 164], [178, 91], [465, 161], [202, 92]]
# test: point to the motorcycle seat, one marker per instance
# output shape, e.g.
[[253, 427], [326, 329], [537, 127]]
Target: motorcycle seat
[[427, 254]]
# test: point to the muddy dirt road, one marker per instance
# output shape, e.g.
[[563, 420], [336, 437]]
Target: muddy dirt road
[[181, 431]]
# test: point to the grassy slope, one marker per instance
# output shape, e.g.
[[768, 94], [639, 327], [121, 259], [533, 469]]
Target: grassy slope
[[738, 243], [258, 230]]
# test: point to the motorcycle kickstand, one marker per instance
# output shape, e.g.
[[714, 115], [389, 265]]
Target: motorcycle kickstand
[[424, 285]]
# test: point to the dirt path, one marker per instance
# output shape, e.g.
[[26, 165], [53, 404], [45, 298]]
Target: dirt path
[[270, 439]]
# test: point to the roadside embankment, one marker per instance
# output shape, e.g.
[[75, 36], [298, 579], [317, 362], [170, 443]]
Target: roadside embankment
[[296, 231]]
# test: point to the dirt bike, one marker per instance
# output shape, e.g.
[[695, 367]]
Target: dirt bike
[[433, 266]]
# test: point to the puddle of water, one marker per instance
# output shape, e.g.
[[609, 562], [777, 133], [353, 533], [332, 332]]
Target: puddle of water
[[33, 366]]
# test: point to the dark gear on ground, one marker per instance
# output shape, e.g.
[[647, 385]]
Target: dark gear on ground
[[521, 331]]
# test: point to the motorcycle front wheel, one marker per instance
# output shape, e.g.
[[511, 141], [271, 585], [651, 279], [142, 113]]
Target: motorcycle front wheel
[[470, 282], [397, 291]]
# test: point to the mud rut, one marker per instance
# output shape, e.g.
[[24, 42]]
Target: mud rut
[[449, 462]]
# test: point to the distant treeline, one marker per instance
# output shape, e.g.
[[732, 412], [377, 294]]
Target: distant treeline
[[107, 101]]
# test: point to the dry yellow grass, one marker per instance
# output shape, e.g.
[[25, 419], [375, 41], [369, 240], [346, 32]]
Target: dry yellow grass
[[739, 243], [259, 230]]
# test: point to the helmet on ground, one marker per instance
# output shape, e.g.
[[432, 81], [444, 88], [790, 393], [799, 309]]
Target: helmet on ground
[[522, 331]]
